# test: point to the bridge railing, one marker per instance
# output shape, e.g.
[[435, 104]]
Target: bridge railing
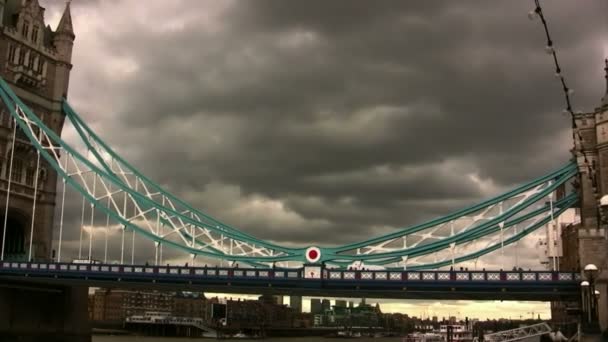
[[17, 267]]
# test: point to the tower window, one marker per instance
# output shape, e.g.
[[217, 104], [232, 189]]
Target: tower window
[[17, 171], [11, 53], [40, 61], [21, 57], [29, 176], [35, 33], [31, 63], [26, 28], [17, 53]]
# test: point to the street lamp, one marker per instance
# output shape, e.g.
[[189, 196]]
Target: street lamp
[[584, 301], [603, 205], [590, 297]]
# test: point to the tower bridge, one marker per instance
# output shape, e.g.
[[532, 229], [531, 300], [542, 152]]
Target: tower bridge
[[418, 261]]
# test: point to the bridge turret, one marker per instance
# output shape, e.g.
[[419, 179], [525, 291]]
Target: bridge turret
[[589, 240], [63, 40]]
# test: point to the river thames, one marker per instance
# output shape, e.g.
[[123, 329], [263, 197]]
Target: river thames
[[184, 339]]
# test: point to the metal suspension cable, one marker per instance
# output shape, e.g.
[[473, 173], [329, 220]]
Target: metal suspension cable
[[509, 194], [562, 205], [92, 222], [9, 97], [86, 132], [61, 215], [81, 230], [459, 213], [135, 196], [8, 188], [484, 228], [496, 246], [29, 258], [105, 250], [576, 134]]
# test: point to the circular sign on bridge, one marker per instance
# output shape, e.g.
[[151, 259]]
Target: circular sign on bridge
[[313, 254]]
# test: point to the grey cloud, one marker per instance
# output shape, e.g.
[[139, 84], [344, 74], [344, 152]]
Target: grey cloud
[[324, 107]]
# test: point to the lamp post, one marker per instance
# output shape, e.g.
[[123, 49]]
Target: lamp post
[[585, 312], [590, 299]]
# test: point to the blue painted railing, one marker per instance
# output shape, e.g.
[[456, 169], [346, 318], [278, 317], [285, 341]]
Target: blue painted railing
[[77, 270]]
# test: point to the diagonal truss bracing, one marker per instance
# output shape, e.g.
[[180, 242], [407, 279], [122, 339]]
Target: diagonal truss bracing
[[114, 188]]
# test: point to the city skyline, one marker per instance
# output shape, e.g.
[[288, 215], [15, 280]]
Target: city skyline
[[293, 125]]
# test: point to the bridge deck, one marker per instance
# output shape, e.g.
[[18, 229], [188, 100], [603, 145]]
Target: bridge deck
[[503, 285]]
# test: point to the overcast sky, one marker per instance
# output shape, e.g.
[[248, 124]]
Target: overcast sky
[[324, 122]]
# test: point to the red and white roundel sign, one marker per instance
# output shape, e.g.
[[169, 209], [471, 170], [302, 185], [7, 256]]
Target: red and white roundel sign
[[313, 254]]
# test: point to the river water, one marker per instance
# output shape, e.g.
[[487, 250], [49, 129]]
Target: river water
[[185, 339]]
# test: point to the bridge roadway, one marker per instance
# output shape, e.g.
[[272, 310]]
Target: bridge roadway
[[306, 281]]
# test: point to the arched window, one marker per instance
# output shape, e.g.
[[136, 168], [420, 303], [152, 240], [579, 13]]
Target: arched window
[[17, 172], [17, 55], [12, 49], [22, 57], [35, 34], [36, 65], [26, 28], [31, 63], [30, 173]]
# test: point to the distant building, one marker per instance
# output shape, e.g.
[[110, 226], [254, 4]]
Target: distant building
[[551, 249], [341, 303], [315, 307], [269, 299], [190, 305], [113, 306], [295, 302], [325, 305], [246, 314]]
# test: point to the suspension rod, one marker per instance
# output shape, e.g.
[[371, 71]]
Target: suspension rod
[[8, 190]]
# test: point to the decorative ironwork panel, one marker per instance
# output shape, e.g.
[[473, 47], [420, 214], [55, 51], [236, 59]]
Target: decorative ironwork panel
[[529, 276], [443, 276], [462, 276], [428, 276], [413, 276], [493, 276], [513, 276], [381, 275], [335, 275], [395, 275]]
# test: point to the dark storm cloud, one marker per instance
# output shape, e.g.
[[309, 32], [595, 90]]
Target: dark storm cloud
[[295, 120]]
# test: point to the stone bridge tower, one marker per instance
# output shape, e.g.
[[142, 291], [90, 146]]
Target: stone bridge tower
[[587, 242], [36, 62]]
